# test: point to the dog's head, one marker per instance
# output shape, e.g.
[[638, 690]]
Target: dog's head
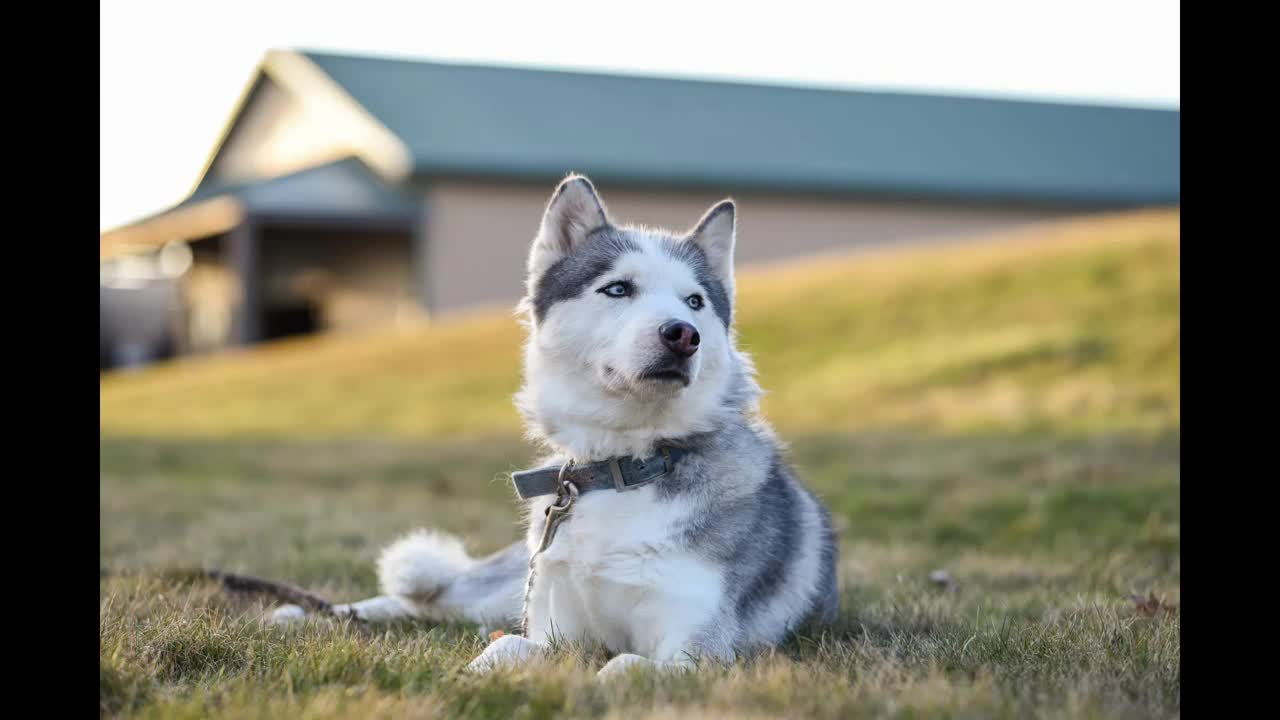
[[630, 328]]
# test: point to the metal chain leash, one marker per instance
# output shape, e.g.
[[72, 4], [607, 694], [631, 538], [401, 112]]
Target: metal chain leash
[[566, 494]]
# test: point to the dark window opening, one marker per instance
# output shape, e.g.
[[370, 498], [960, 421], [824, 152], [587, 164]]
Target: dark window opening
[[280, 321]]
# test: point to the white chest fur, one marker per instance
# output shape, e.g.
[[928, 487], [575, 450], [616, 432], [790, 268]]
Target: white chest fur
[[616, 574]]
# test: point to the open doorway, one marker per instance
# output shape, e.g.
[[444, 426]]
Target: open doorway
[[332, 279], [286, 319]]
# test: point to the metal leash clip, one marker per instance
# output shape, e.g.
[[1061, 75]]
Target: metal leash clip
[[566, 494]]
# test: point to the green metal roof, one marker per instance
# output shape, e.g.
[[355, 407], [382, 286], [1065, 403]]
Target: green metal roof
[[344, 188], [510, 122]]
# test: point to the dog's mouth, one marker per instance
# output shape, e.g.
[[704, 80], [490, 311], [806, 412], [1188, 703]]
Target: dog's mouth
[[668, 374]]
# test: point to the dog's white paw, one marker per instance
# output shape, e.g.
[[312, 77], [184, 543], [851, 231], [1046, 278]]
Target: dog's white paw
[[381, 609], [287, 615], [506, 651], [621, 664]]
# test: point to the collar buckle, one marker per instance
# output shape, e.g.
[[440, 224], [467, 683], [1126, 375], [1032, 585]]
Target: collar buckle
[[620, 482]]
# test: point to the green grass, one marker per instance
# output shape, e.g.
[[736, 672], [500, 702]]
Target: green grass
[[1006, 411]]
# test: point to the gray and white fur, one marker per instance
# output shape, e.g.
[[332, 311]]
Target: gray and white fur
[[631, 346]]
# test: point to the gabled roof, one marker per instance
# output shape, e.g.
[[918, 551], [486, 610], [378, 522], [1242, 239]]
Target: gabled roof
[[502, 121], [334, 192], [403, 118]]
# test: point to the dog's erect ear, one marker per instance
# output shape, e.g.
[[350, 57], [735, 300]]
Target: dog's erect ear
[[714, 233], [573, 212]]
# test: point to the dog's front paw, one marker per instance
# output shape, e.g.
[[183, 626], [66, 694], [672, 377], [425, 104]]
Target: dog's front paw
[[287, 615], [506, 651], [620, 664]]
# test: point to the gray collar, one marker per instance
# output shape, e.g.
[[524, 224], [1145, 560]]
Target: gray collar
[[613, 474]]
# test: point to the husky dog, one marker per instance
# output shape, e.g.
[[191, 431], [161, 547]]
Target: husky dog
[[678, 533]]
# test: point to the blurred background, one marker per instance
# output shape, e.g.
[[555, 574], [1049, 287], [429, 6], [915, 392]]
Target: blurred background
[[959, 276], [364, 181]]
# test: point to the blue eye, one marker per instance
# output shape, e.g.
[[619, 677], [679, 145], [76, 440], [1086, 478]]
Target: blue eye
[[617, 289], [694, 301]]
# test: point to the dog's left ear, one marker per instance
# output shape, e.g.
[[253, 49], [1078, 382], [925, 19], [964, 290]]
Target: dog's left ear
[[714, 234]]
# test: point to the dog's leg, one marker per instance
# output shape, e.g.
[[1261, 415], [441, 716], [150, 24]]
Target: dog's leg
[[555, 612], [677, 651], [506, 652], [380, 609], [428, 575], [621, 664], [512, 650]]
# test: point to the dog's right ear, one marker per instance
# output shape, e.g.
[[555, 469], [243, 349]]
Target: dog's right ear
[[575, 210]]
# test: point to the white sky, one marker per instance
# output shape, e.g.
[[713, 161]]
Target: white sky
[[172, 70]]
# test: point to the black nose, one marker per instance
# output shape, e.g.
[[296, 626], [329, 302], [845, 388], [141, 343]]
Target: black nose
[[681, 337]]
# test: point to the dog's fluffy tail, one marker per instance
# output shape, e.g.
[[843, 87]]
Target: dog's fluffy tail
[[432, 572]]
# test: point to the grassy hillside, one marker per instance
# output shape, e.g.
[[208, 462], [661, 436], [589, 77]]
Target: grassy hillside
[[1071, 327]]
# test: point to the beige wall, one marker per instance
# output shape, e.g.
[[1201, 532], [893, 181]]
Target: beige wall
[[356, 279], [478, 233]]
